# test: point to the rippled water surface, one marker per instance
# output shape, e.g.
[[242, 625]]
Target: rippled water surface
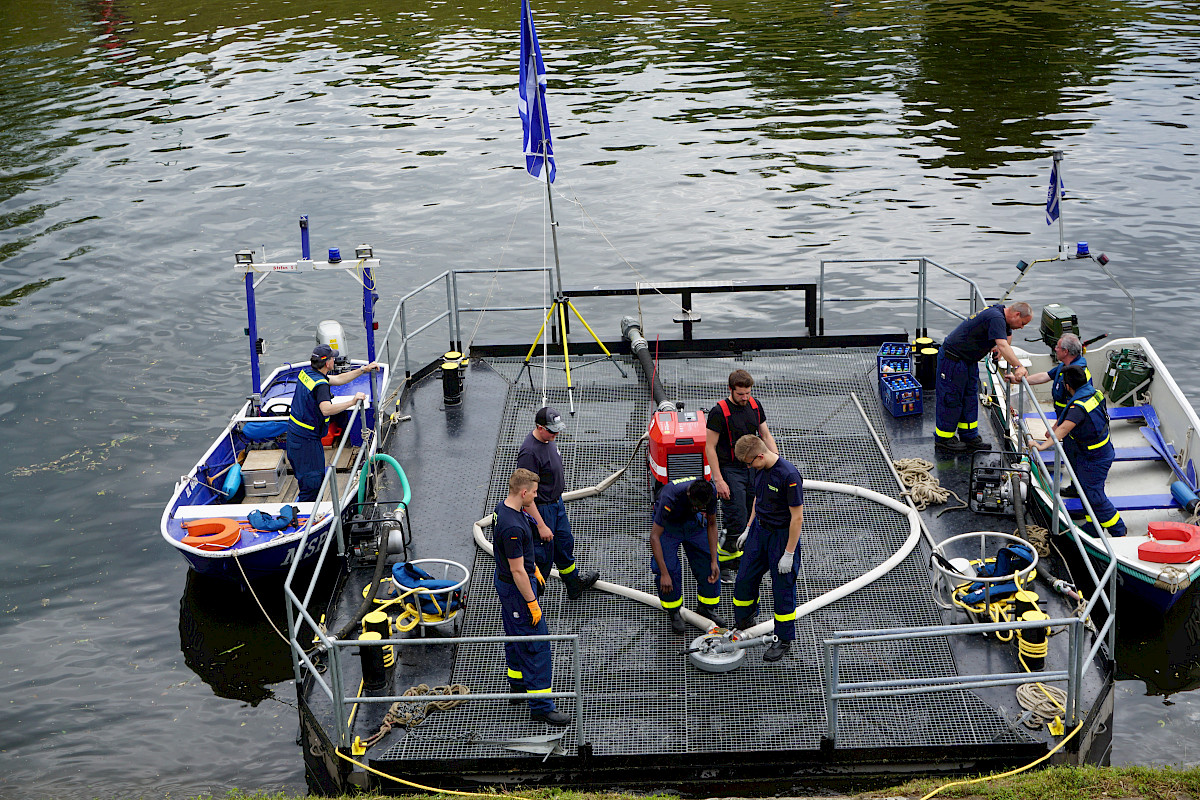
[[142, 143]]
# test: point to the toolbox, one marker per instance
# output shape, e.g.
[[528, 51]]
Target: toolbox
[[263, 472], [901, 394]]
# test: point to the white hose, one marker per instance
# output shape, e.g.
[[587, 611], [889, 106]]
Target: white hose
[[703, 623]]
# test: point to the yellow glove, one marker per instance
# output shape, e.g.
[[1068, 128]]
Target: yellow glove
[[541, 580], [535, 611]]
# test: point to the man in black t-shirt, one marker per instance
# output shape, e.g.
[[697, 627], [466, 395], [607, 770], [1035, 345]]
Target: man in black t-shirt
[[729, 420]]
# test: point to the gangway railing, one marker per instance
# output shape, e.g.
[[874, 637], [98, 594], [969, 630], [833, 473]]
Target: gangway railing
[[922, 298]]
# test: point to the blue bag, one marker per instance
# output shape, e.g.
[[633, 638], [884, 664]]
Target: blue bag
[[262, 521], [409, 576]]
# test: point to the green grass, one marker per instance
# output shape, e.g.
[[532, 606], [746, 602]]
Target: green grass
[[1054, 783]]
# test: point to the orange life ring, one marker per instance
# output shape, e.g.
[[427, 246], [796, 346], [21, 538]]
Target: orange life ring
[[1171, 543], [218, 533]]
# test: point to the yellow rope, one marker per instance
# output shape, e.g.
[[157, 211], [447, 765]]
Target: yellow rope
[[433, 789], [1030, 765]]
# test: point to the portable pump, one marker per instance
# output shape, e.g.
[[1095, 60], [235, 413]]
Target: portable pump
[[676, 450]]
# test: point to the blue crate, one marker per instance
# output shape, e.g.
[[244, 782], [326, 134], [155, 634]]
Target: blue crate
[[893, 358], [901, 394]]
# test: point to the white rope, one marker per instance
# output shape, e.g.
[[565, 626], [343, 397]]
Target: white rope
[[921, 486]]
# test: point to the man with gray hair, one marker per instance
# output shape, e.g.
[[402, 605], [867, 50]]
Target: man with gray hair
[[1069, 352], [958, 372]]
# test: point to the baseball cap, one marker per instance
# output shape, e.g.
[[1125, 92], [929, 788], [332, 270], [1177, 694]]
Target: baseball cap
[[550, 419], [324, 351]]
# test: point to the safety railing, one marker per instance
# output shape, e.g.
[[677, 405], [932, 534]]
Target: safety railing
[[922, 299]]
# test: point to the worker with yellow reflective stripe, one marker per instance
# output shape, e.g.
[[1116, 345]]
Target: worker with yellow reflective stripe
[[685, 514], [773, 544], [1085, 424], [312, 406], [518, 583], [1068, 351]]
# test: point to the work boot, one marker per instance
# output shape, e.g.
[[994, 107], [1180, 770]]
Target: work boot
[[558, 719], [577, 582], [777, 651], [976, 444], [951, 445], [1069, 491], [710, 613], [678, 623], [728, 576], [744, 623]]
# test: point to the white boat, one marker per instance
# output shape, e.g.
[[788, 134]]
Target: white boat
[[208, 518]]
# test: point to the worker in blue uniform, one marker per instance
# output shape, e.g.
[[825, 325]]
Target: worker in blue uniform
[[1068, 351], [1085, 422], [773, 543], [730, 419], [556, 543], [519, 583], [957, 419], [685, 514], [312, 406]]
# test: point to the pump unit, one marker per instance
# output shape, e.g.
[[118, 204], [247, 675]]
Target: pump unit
[[676, 449], [1057, 319]]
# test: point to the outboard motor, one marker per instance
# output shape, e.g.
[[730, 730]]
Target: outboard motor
[[329, 331], [676, 450]]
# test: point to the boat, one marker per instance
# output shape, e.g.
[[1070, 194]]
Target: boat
[[1152, 482], [235, 515]]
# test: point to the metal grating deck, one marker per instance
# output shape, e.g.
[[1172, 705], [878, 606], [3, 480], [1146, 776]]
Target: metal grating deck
[[641, 695]]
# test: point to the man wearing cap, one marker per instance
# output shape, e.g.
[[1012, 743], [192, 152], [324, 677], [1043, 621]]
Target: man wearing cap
[[312, 406], [539, 455]]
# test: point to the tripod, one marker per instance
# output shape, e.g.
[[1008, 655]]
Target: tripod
[[560, 305]]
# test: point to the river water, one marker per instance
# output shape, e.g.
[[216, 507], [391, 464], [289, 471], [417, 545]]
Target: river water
[[142, 143]]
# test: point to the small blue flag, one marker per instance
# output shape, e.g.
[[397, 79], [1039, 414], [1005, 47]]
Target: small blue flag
[[1053, 195], [531, 104]]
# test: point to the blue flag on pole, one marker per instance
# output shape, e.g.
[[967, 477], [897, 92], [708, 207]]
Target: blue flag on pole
[[531, 104], [1053, 195]]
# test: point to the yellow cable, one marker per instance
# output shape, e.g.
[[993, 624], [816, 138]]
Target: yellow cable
[[1003, 774], [435, 790]]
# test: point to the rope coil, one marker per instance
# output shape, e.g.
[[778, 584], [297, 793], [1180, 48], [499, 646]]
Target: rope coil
[[924, 489]]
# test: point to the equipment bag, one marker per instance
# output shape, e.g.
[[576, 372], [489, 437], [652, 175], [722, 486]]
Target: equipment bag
[[409, 576], [264, 521]]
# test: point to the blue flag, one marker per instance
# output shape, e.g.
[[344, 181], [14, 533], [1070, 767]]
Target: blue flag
[[1053, 195], [531, 104]]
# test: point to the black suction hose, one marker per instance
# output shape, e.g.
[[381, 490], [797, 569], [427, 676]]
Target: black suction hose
[[631, 330]]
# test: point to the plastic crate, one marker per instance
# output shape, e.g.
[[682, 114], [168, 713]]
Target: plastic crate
[[894, 358], [901, 394]]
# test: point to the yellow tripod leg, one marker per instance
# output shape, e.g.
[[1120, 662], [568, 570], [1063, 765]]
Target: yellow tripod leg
[[541, 330]]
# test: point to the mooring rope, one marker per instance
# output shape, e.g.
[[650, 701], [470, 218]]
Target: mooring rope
[[412, 718], [922, 487]]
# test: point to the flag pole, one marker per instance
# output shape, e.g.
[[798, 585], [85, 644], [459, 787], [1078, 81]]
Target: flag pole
[[1062, 242]]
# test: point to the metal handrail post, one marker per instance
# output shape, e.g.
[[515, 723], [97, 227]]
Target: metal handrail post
[[922, 292], [580, 722], [832, 683], [821, 298], [1074, 686], [457, 318], [404, 342], [450, 310], [338, 687]]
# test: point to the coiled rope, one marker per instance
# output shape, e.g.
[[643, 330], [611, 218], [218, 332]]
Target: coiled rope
[[924, 489], [411, 717]]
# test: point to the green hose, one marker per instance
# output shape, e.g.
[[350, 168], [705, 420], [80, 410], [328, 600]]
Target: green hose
[[385, 458]]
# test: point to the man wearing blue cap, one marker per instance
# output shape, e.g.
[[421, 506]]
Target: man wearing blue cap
[[539, 455], [312, 406]]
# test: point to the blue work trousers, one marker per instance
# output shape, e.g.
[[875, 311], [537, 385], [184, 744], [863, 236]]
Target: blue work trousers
[[562, 550], [694, 539], [307, 457], [528, 662], [763, 549], [1091, 467], [736, 510], [957, 398]]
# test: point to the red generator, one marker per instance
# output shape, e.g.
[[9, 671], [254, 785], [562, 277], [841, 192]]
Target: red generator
[[676, 447]]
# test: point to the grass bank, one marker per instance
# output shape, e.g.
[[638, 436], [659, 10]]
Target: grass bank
[[1055, 783]]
